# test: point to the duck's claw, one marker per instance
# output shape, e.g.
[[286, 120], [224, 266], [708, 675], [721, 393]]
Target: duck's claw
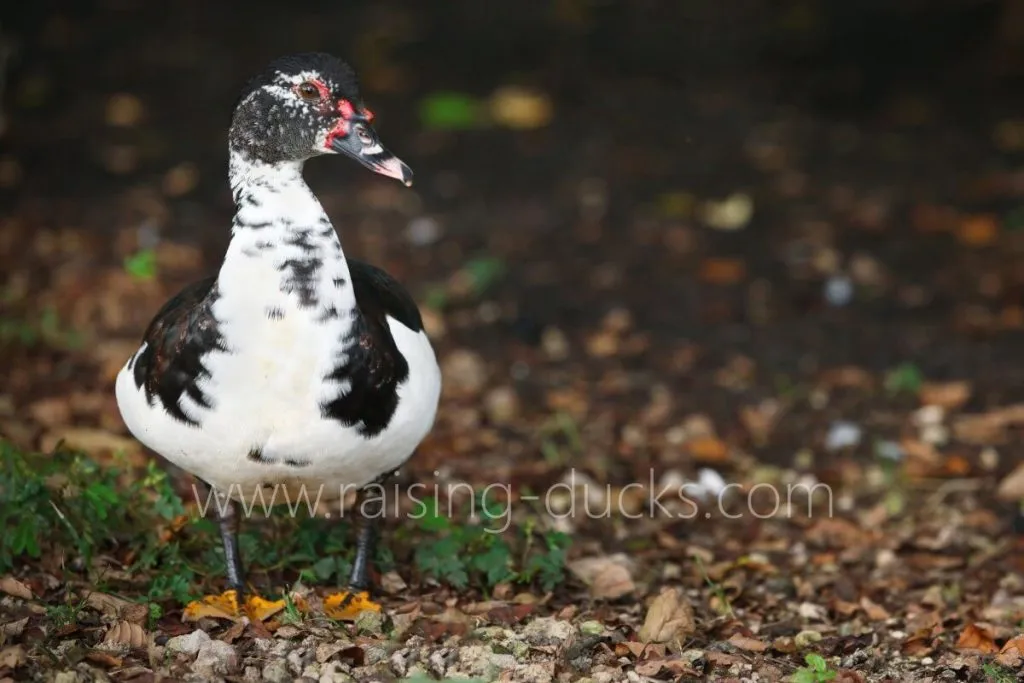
[[347, 606], [225, 606]]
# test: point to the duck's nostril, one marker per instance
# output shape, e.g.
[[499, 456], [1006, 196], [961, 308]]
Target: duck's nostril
[[364, 135]]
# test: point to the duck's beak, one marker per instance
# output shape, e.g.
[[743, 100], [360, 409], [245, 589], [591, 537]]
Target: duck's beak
[[362, 144]]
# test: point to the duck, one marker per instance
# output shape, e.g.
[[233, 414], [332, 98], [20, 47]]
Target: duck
[[293, 371]]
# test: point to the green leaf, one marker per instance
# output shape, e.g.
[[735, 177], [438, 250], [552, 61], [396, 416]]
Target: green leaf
[[430, 518], [142, 264], [495, 564], [449, 111], [325, 568], [904, 378], [484, 272]]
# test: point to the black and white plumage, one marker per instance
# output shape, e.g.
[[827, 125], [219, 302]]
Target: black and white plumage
[[292, 366]]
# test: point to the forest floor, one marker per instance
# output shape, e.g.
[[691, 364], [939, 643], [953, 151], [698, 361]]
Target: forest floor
[[809, 326]]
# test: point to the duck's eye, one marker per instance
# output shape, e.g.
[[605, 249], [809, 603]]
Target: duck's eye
[[309, 91]]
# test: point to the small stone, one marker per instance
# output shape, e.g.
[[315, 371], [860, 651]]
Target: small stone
[[501, 405], [51, 412], [479, 660], [548, 631], [464, 372], [216, 658], [369, 622], [805, 638], [189, 644], [842, 434], [838, 290], [440, 660], [554, 343], [181, 180], [299, 659], [276, 671], [332, 672], [124, 110], [423, 231]]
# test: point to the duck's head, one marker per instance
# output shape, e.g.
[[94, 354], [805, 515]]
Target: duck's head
[[305, 105]]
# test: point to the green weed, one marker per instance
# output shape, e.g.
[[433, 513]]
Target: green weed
[[816, 671], [485, 554]]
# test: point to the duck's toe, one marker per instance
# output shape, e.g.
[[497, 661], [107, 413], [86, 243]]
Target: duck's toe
[[347, 605], [226, 606]]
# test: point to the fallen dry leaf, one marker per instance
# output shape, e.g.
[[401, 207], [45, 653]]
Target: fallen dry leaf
[[608, 577], [669, 618], [233, 633], [978, 231], [127, 632], [111, 605], [91, 440], [1011, 488], [837, 533], [707, 450], [392, 583], [988, 428], [747, 643], [12, 586], [1012, 654], [978, 637], [13, 629], [676, 667], [949, 395], [104, 659], [918, 646], [874, 611], [722, 271]]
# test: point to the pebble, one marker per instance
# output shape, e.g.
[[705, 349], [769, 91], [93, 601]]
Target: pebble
[[189, 643], [548, 631], [843, 434], [464, 372], [276, 671], [839, 290], [501, 405], [216, 658], [554, 343], [889, 450], [423, 231]]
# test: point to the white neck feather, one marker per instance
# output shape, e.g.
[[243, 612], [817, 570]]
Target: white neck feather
[[284, 252]]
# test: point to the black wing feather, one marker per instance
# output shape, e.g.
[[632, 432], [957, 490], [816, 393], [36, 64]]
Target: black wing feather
[[373, 366], [177, 338]]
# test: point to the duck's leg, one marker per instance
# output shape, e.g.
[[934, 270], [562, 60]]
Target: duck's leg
[[228, 522], [348, 605], [234, 602]]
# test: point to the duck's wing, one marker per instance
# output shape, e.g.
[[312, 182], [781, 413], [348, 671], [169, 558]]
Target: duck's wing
[[170, 362], [378, 295], [374, 364]]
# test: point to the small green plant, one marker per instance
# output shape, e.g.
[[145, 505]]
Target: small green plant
[[998, 674], [716, 588], [817, 670], [65, 503], [291, 615], [484, 554], [904, 378], [560, 439], [141, 265], [42, 328], [450, 111]]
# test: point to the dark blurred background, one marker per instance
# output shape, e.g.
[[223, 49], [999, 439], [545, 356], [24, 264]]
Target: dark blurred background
[[807, 183]]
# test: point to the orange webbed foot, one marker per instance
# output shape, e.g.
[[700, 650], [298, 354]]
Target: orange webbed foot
[[346, 606], [225, 606]]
